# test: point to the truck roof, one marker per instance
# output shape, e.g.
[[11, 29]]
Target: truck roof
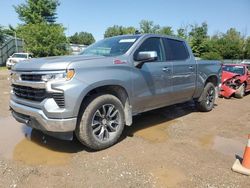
[[152, 35]]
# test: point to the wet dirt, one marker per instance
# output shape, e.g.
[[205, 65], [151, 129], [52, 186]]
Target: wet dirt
[[153, 134], [226, 146], [21, 143], [170, 147]]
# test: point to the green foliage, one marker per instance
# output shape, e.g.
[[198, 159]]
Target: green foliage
[[118, 30], [166, 31], [198, 39], [247, 49], [82, 38], [37, 11], [147, 26], [182, 32], [211, 56], [43, 39], [231, 45]]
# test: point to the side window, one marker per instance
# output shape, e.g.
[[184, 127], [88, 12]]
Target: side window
[[152, 44], [175, 50]]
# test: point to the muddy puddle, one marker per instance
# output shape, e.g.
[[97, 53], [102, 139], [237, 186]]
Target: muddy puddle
[[153, 126], [226, 146], [21, 143]]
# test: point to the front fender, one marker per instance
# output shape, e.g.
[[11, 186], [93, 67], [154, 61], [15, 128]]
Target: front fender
[[96, 85]]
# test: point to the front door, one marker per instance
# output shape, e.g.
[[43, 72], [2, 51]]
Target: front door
[[152, 85]]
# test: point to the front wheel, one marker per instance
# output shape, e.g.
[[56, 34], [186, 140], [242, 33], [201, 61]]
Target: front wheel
[[206, 102], [101, 123]]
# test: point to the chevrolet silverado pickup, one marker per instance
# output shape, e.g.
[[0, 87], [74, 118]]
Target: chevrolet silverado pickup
[[95, 94]]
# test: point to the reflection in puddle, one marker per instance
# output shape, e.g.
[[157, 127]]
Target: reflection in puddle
[[169, 177], [24, 144], [223, 145], [152, 126], [228, 146]]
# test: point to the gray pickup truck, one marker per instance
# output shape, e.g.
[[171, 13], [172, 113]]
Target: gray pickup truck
[[95, 94]]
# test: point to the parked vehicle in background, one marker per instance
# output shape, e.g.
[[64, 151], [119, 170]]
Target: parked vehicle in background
[[97, 93], [235, 80], [17, 57], [246, 62]]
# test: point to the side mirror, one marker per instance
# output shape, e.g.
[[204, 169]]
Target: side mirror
[[143, 57]]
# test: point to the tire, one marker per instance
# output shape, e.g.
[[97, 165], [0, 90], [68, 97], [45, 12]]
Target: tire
[[207, 99], [240, 92], [101, 122]]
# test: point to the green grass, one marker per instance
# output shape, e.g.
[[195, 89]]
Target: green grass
[[3, 68]]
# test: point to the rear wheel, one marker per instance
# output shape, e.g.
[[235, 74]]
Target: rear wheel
[[240, 91], [206, 102], [101, 123]]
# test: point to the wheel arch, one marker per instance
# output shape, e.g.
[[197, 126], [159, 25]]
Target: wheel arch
[[212, 79], [117, 90]]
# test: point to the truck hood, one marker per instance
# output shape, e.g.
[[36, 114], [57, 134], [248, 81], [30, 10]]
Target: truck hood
[[14, 59], [51, 63]]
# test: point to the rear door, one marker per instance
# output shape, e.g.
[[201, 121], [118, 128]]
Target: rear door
[[184, 69]]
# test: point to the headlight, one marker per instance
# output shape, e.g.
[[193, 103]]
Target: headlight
[[68, 75]]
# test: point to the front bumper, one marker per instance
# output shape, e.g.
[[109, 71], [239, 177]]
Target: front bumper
[[226, 91], [36, 119]]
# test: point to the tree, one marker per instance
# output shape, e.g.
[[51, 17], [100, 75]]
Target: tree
[[1, 35], [37, 11], [198, 39], [43, 39], [118, 30], [230, 45], [147, 26], [247, 49], [82, 38], [182, 32], [41, 35], [166, 30]]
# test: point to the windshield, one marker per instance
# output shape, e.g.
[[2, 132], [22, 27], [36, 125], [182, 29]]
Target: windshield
[[19, 55], [234, 69], [111, 47]]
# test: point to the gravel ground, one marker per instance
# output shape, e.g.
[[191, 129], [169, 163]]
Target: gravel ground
[[170, 147]]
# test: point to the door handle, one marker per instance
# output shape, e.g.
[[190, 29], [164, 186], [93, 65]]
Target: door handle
[[191, 68], [165, 69]]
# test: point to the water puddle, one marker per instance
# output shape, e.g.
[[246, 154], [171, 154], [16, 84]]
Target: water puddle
[[169, 177], [21, 143], [151, 127], [226, 146]]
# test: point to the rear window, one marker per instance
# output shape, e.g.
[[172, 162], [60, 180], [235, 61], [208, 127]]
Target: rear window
[[175, 50]]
